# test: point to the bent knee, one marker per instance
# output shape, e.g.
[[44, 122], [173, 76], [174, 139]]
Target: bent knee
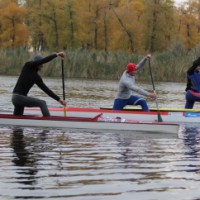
[[43, 103], [140, 101]]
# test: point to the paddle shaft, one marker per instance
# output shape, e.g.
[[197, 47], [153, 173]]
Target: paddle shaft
[[63, 83], [159, 116], [63, 78]]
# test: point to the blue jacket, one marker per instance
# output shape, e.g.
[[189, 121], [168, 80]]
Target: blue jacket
[[193, 82]]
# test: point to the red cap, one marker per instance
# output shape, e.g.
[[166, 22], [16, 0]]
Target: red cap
[[130, 67]]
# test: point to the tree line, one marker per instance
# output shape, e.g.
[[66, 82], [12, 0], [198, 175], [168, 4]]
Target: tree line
[[101, 35], [109, 25]]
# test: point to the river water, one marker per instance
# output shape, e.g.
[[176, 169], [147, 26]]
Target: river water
[[80, 165]]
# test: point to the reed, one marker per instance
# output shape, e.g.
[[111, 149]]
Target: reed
[[170, 65]]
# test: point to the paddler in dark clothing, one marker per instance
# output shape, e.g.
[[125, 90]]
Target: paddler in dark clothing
[[28, 77], [193, 84]]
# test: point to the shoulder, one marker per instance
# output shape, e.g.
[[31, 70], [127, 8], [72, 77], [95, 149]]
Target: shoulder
[[29, 64], [125, 76], [189, 73], [27, 67]]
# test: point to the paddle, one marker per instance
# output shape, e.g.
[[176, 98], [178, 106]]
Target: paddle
[[159, 116], [63, 84]]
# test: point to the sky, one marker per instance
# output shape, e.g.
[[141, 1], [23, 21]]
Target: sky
[[179, 1]]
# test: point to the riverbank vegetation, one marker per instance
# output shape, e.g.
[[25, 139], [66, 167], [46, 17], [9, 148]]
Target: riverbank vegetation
[[170, 65], [100, 36]]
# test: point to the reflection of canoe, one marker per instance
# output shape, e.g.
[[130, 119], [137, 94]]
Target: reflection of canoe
[[96, 123], [176, 115]]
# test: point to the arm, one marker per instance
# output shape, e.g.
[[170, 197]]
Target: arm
[[189, 84], [43, 87], [143, 61], [139, 90], [142, 91], [44, 60], [48, 58]]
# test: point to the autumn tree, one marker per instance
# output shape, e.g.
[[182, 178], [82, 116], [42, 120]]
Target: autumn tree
[[189, 23], [68, 24], [127, 25], [13, 31], [159, 24], [128, 29], [88, 15], [34, 22], [43, 22]]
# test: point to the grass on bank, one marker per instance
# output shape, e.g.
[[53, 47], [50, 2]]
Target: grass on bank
[[170, 65]]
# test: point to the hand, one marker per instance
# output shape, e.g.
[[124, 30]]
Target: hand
[[148, 56], [62, 102], [153, 95], [61, 54]]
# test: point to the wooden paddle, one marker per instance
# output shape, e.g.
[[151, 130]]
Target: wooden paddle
[[159, 116], [63, 85]]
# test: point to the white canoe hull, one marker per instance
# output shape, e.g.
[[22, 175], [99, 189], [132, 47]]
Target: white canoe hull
[[102, 124], [174, 116]]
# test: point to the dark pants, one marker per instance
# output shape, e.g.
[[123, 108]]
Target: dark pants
[[119, 104], [191, 99], [20, 101]]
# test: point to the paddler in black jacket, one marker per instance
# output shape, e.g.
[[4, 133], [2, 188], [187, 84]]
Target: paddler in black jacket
[[28, 77]]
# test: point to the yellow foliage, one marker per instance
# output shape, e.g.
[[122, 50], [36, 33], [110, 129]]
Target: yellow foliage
[[129, 25], [189, 24], [15, 31]]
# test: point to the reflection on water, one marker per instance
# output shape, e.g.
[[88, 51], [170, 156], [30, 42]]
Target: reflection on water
[[80, 165], [191, 140], [57, 164], [23, 158]]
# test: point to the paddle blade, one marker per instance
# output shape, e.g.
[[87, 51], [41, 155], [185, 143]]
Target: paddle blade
[[160, 118]]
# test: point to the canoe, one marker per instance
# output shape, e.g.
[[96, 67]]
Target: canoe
[[170, 115], [98, 122]]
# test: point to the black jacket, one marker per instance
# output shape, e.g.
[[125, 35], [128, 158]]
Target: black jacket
[[29, 76]]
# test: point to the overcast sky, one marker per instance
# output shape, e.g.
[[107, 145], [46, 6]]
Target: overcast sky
[[179, 1]]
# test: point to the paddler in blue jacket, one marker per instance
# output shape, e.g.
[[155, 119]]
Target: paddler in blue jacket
[[127, 86], [193, 84], [28, 77]]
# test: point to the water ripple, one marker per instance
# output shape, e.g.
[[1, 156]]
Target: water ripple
[[69, 164], [57, 164]]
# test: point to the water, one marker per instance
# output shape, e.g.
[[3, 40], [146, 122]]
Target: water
[[81, 165]]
